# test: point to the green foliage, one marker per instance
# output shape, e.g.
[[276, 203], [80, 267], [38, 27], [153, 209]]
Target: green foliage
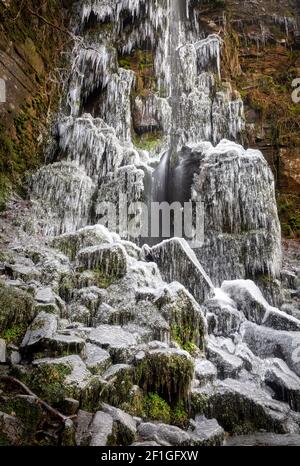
[[179, 415], [14, 334], [157, 409], [181, 335], [148, 141], [191, 348], [47, 380]]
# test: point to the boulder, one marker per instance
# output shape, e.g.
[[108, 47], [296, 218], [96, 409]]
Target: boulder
[[118, 389], [66, 377], [284, 383], [109, 260], [177, 262], [250, 301], [71, 243], [163, 434], [45, 296], [125, 424], [268, 343], [245, 407], [43, 327], [206, 432], [205, 372], [166, 371], [117, 341], [97, 360], [82, 423], [101, 430], [228, 365], [42, 337], [223, 317], [183, 314]]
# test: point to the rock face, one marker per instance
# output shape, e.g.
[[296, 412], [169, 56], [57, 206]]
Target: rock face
[[177, 262], [29, 53], [239, 218]]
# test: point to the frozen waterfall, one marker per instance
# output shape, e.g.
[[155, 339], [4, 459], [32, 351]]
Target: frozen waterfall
[[190, 112]]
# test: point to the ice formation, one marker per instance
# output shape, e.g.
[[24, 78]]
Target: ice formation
[[96, 158]]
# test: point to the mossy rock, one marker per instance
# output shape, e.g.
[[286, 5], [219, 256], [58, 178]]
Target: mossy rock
[[16, 312], [166, 372]]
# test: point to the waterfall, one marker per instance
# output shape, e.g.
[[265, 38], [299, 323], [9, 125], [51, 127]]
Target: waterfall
[[98, 160]]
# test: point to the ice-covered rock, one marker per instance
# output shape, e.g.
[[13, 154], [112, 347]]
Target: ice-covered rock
[[228, 365], [284, 383], [111, 260], [114, 339], [251, 302], [71, 243], [43, 327], [205, 371], [182, 312], [267, 343], [67, 376], [163, 434], [101, 429], [163, 370], [177, 262], [242, 230], [242, 405], [207, 432], [223, 317], [125, 424], [97, 360]]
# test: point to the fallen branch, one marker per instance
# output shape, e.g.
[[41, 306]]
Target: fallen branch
[[46, 406]]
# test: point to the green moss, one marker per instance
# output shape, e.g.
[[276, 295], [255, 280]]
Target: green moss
[[102, 279], [38, 44], [200, 403], [136, 405], [47, 381], [148, 141], [157, 409], [118, 391], [180, 416], [14, 334], [16, 310], [191, 348], [168, 375], [289, 214]]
